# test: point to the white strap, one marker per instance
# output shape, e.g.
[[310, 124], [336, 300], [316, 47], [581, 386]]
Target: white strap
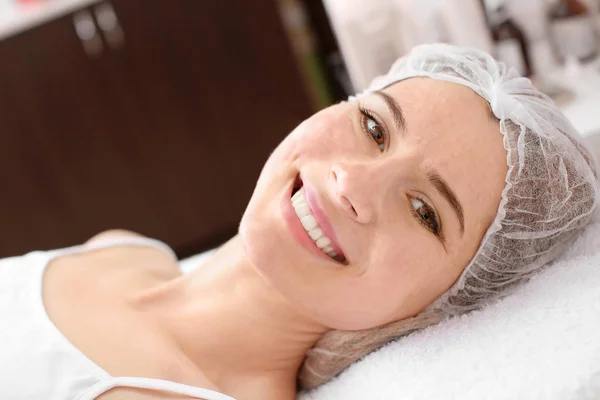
[[116, 242], [153, 384]]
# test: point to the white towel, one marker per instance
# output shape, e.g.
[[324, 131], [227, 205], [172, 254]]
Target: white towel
[[542, 342]]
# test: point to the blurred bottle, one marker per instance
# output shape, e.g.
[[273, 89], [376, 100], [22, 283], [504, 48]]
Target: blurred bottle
[[572, 30], [510, 44], [303, 40]]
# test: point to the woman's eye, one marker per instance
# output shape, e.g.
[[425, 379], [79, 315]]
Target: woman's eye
[[373, 129], [426, 215]]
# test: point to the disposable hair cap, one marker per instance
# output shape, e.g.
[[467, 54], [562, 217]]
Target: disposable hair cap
[[552, 180]]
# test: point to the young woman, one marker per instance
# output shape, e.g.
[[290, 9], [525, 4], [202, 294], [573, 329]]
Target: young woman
[[439, 190]]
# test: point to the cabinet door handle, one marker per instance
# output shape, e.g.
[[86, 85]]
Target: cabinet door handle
[[109, 24], [86, 31]]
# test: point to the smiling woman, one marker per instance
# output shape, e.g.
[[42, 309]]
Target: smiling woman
[[375, 187], [373, 218]]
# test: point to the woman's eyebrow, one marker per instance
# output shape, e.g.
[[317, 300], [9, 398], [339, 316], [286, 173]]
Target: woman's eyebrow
[[395, 109], [442, 187], [432, 175]]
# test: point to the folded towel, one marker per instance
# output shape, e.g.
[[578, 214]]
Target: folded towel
[[541, 342]]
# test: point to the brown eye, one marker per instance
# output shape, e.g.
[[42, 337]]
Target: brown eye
[[373, 129], [426, 215], [376, 133]]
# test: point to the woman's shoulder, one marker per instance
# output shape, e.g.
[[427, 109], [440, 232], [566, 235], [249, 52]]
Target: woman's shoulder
[[86, 295], [140, 394], [115, 261], [126, 258], [131, 248], [113, 234]]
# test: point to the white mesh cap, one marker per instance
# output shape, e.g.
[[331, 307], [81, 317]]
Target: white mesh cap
[[550, 193], [552, 180]]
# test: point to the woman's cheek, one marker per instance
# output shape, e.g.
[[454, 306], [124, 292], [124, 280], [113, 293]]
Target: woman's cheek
[[326, 134], [408, 260]]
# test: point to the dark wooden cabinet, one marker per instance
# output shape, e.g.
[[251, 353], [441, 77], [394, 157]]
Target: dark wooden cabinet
[[164, 133]]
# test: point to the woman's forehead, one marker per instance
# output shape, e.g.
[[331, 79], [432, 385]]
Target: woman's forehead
[[439, 94], [453, 128], [447, 111]]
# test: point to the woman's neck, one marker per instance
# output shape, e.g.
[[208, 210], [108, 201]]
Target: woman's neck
[[243, 335]]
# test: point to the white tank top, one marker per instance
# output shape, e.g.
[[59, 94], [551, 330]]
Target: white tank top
[[36, 360]]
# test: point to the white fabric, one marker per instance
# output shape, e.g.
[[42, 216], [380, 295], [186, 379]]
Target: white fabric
[[36, 360], [542, 342]]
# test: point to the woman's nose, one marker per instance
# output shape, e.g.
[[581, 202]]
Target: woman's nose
[[351, 192]]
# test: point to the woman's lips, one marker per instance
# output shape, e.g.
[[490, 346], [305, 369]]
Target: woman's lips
[[321, 217], [296, 228]]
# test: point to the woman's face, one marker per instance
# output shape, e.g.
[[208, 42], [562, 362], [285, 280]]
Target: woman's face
[[401, 186]]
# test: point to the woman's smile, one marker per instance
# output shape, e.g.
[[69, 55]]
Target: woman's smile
[[309, 224]]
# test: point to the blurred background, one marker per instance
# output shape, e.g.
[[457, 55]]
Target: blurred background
[[157, 116]]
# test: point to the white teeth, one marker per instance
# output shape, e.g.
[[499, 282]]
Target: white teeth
[[298, 200], [315, 233], [309, 222], [296, 196], [302, 210], [323, 242]]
